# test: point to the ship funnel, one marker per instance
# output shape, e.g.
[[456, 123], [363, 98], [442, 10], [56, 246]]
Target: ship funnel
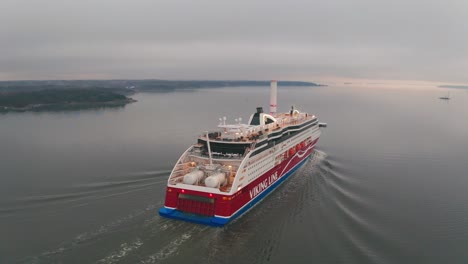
[[273, 97]]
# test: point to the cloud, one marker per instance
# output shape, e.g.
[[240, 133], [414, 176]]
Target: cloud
[[418, 40]]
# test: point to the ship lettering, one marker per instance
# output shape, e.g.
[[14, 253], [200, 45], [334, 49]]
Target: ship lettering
[[273, 177], [263, 185]]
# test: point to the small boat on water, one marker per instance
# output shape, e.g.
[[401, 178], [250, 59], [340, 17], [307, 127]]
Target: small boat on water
[[447, 97]]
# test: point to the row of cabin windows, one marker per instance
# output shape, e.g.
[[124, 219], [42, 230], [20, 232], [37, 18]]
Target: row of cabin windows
[[261, 163], [261, 166]]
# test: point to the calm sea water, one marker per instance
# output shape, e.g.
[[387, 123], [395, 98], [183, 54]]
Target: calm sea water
[[388, 184]]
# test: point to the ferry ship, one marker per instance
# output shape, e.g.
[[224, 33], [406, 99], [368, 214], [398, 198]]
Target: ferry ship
[[230, 170]]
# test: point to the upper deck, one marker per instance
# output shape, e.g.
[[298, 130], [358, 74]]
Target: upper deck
[[248, 134]]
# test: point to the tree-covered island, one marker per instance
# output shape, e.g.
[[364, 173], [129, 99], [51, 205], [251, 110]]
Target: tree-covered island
[[61, 99], [33, 95]]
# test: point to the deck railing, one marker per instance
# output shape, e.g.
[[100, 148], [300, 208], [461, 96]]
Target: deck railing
[[261, 132]]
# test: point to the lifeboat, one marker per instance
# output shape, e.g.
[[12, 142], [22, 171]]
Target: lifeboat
[[292, 151]]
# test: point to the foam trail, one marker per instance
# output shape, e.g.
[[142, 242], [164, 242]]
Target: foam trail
[[125, 250], [169, 250]]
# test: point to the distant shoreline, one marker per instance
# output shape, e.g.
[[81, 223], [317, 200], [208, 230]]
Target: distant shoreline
[[454, 86], [136, 85], [56, 95]]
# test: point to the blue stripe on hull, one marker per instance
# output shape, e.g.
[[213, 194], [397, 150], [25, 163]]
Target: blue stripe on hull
[[221, 221]]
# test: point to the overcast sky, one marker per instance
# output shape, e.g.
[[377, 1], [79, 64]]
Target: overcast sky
[[298, 40]]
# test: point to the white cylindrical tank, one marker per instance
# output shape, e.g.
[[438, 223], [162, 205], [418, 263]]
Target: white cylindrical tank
[[273, 99], [193, 177], [215, 180]]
